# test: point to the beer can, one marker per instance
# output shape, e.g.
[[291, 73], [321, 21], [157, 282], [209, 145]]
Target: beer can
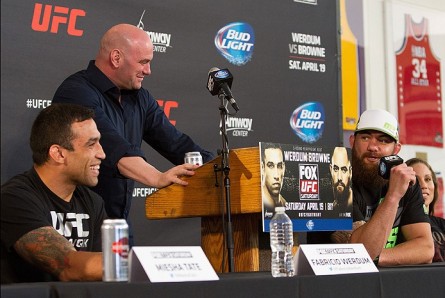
[[115, 250], [194, 158]]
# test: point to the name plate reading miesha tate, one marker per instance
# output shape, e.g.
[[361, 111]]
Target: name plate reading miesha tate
[[170, 264], [332, 259]]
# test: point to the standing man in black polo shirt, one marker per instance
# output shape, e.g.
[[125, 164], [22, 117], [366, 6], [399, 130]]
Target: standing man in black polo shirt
[[126, 115]]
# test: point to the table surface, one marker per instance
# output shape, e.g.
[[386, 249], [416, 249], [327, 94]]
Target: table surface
[[407, 281]]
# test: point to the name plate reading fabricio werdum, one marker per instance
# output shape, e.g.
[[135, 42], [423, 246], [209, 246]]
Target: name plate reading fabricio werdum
[[332, 259], [170, 264]]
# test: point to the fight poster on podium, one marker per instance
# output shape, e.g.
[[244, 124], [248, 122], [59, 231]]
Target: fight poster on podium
[[313, 183]]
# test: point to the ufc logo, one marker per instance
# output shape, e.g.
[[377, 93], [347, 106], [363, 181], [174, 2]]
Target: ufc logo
[[168, 105], [56, 15], [307, 186]]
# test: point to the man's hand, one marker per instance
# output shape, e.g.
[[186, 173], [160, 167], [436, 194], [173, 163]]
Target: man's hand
[[175, 174], [136, 168], [401, 178]]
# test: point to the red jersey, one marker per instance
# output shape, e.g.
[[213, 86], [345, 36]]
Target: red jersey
[[418, 88]]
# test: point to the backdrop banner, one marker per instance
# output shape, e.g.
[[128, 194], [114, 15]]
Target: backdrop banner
[[283, 55]]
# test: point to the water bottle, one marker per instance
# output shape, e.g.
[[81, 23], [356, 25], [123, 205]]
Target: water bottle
[[281, 243]]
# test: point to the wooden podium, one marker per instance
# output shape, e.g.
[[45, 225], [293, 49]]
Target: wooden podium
[[205, 197]]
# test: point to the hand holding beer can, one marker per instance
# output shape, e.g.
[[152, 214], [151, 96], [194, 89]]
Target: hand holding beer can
[[194, 158]]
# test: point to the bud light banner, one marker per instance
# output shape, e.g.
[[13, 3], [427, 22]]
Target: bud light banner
[[313, 183]]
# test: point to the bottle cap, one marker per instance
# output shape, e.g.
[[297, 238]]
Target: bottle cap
[[282, 209]]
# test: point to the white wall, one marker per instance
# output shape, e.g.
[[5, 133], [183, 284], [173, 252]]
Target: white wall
[[378, 76]]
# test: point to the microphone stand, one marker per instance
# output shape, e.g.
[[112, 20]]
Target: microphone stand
[[226, 169]]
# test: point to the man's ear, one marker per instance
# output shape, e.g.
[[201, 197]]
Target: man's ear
[[262, 172], [351, 140], [56, 153], [397, 148], [115, 57]]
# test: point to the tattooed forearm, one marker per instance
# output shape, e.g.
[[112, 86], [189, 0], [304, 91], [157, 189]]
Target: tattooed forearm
[[46, 249], [345, 236]]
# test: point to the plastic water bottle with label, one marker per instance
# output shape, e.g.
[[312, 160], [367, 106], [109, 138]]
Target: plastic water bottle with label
[[281, 243]]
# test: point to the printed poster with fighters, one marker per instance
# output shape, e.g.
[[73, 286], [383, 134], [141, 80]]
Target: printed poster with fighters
[[418, 71], [313, 183]]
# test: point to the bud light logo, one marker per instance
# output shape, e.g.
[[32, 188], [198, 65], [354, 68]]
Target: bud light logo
[[307, 121], [235, 42], [222, 74]]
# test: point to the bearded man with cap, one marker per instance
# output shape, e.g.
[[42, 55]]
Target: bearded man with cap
[[388, 214]]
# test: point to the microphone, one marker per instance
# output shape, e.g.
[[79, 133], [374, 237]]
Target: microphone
[[386, 163], [219, 82]]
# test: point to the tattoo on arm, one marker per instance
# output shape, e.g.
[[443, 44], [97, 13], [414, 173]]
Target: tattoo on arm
[[46, 249], [345, 236]]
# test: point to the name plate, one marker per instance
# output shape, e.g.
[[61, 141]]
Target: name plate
[[169, 264], [331, 259]]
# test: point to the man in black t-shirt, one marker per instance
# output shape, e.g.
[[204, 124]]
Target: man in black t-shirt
[[50, 220], [388, 215]]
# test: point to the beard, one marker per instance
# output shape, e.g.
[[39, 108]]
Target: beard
[[343, 196], [365, 175]]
